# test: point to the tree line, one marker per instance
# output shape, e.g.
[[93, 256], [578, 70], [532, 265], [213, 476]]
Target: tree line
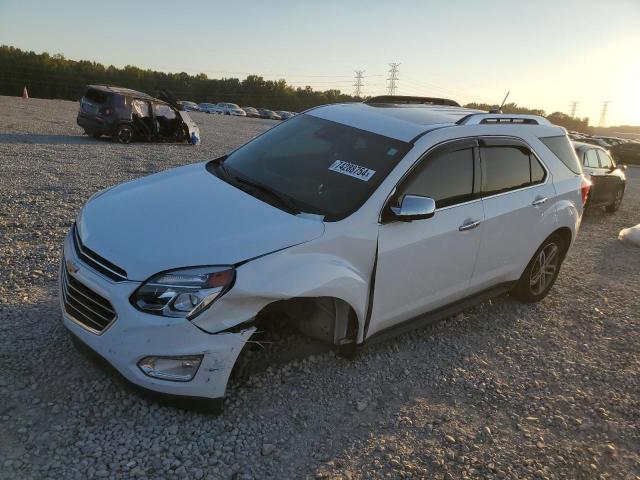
[[54, 76]]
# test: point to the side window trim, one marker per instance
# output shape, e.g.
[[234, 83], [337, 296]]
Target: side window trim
[[491, 141], [447, 145]]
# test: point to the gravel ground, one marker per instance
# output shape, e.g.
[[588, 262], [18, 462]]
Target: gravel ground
[[502, 391]]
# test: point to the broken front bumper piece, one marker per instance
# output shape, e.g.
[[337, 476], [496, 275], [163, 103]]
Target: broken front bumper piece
[[131, 341]]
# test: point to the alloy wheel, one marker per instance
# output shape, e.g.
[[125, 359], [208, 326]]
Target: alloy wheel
[[544, 268], [124, 135]]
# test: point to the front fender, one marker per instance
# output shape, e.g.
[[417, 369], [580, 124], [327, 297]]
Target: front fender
[[289, 274]]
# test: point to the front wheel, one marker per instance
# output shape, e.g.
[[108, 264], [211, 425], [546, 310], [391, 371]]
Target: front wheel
[[541, 272], [617, 201], [124, 134]]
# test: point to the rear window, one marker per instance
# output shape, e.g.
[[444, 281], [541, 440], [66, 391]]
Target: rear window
[[562, 149], [96, 96]]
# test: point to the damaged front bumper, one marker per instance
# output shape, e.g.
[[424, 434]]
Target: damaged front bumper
[[134, 335]]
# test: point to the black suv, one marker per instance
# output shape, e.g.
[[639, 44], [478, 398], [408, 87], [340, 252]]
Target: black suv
[[127, 115]]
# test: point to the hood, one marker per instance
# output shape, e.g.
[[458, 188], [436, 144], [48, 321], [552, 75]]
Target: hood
[[185, 217]]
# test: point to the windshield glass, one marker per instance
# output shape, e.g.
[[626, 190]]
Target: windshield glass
[[324, 167]]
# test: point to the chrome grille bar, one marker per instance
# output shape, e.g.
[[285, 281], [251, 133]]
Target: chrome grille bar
[[97, 262], [84, 306]]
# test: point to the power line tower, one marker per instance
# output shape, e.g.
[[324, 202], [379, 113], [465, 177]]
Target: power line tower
[[359, 84], [574, 107], [393, 78], [603, 113]]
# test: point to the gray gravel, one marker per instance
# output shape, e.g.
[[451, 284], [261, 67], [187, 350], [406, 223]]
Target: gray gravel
[[502, 391]]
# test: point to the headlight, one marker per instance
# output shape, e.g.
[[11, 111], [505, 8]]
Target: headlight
[[183, 293]]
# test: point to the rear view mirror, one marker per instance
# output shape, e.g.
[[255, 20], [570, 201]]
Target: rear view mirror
[[414, 207]]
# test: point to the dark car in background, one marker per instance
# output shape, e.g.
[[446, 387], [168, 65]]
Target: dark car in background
[[251, 112], [126, 115], [608, 180], [283, 114], [270, 114], [627, 152]]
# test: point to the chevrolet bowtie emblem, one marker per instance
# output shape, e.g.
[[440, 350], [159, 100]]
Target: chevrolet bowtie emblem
[[71, 266]]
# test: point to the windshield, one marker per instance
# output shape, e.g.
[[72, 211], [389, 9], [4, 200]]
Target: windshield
[[323, 167]]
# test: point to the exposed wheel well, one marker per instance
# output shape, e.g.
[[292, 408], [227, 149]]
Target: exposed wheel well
[[566, 235], [329, 319]]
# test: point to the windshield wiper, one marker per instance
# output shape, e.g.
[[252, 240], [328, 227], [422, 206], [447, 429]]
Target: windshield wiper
[[221, 169], [283, 200]]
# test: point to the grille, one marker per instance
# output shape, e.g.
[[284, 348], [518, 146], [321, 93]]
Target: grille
[[97, 262], [87, 307]]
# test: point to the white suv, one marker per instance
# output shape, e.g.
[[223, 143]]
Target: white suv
[[352, 220]]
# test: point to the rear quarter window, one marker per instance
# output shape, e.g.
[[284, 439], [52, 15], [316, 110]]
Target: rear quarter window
[[562, 148]]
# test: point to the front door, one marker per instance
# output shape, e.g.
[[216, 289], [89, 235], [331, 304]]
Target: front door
[[425, 264]]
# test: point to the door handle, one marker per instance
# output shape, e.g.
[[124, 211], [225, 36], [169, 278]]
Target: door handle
[[539, 201], [469, 225]]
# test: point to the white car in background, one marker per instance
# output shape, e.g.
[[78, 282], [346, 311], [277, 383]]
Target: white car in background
[[210, 108], [353, 221], [231, 109]]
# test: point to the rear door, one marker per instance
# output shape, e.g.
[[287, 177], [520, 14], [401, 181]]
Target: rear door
[[517, 196], [425, 264], [609, 182]]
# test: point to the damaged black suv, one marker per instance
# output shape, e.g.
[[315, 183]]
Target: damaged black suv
[[126, 115]]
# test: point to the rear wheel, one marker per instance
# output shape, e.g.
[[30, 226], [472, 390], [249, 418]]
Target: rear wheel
[[617, 201], [542, 271], [124, 134]]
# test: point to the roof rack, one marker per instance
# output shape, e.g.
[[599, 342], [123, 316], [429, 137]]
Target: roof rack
[[502, 118], [403, 99]]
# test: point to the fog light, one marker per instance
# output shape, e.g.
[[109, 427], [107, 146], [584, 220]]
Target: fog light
[[175, 369]]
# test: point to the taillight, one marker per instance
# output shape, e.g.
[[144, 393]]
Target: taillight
[[584, 189], [106, 111]]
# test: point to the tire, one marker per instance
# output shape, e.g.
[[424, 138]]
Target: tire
[[124, 134], [534, 285], [617, 201]]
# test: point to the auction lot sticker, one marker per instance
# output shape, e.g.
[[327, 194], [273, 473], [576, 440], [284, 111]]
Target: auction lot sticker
[[353, 170]]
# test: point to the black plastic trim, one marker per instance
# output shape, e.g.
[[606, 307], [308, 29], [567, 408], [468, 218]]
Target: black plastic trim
[[439, 313]]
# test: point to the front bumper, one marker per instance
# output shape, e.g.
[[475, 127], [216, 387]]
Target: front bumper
[[134, 335]]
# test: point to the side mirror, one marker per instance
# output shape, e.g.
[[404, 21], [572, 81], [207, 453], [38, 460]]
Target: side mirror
[[414, 207]]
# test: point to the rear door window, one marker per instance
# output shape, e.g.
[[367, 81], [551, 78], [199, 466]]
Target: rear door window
[[509, 168], [591, 159]]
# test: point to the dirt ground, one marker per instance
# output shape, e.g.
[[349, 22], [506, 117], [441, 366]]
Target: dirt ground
[[504, 390]]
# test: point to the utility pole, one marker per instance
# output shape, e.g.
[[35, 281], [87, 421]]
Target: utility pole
[[574, 107], [393, 78], [603, 113], [359, 84]]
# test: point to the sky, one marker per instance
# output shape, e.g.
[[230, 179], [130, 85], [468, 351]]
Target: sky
[[547, 53]]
